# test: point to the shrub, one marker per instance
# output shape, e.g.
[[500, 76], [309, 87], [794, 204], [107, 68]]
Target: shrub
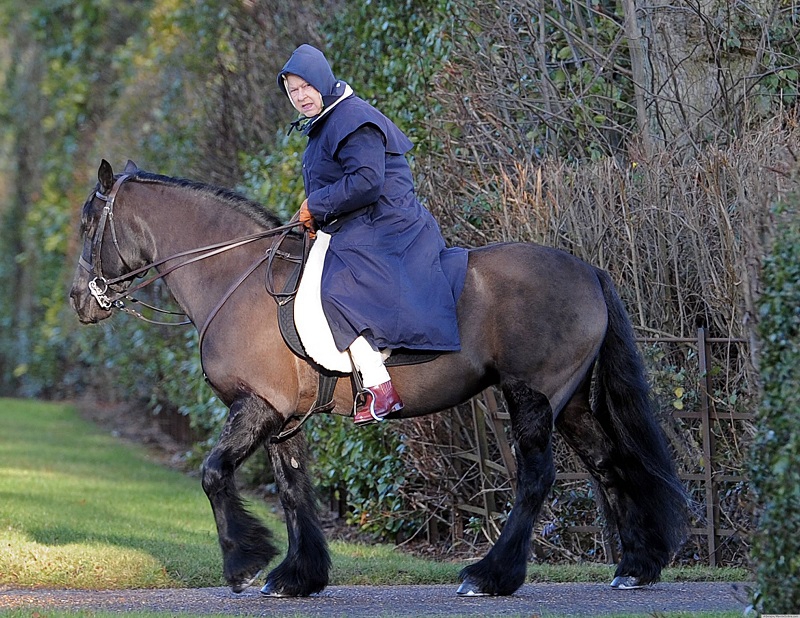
[[775, 474], [363, 468]]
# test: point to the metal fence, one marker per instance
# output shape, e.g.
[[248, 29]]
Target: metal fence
[[709, 527]]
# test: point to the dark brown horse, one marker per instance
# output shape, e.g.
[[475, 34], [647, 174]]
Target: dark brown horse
[[536, 321]]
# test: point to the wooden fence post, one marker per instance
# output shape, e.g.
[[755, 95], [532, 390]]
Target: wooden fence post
[[708, 447]]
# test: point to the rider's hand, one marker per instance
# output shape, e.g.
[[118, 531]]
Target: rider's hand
[[307, 219]]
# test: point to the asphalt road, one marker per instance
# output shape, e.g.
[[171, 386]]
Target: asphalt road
[[532, 600]]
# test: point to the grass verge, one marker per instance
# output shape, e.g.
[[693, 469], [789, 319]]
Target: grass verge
[[79, 509]]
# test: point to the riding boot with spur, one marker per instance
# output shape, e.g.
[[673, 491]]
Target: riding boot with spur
[[379, 401]]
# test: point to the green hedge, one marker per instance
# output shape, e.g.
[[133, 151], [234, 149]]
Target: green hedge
[[776, 453]]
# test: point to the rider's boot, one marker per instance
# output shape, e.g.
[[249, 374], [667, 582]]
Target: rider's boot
[[379, 402]]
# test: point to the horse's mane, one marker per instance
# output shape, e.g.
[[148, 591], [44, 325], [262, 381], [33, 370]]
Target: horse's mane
[[235, 200]]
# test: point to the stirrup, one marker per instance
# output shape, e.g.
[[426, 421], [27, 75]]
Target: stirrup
[[381, 401]]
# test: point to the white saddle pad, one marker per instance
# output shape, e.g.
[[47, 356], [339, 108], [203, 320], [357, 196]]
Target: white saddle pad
[[312, 326]]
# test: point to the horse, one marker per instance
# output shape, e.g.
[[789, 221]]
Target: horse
[[546, 327]]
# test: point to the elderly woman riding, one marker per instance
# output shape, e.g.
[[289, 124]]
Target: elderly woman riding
[[388, 281]]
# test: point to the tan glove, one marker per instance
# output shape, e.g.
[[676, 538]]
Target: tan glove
[[307, 219]]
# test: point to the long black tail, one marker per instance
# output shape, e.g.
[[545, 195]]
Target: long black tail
[[656, 514]]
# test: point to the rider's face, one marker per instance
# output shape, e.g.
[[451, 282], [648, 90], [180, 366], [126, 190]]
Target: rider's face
[[306, 99]]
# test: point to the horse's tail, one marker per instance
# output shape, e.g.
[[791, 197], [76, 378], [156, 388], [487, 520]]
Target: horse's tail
[[656, 514]]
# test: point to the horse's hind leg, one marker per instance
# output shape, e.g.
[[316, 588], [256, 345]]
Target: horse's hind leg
[[620, 501], [502, 571], [245, 542], [305, 569]]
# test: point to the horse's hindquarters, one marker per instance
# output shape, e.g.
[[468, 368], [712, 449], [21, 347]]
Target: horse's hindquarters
[[534, 314]]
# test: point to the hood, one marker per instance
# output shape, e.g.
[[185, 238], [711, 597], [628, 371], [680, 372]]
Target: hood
[[310, 63]]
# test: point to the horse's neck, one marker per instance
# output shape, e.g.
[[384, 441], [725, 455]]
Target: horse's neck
[[176, 225]]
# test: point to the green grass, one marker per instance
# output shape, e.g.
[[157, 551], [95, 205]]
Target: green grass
[[385, 565], [79, 509]]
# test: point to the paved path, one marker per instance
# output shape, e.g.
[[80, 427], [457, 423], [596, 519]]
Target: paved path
[[397, 601]]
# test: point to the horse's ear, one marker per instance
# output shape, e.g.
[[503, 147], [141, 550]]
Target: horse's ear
[[105, 175], [130, 168]]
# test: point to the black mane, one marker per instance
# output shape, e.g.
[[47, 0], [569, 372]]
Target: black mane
[[235, 200]]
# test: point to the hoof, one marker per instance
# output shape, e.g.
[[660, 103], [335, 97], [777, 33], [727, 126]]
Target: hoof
[[626, 582], [243, 585], [470, 589], [269, 590]]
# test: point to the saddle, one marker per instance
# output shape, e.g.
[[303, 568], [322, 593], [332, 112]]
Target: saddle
[[327, 378]]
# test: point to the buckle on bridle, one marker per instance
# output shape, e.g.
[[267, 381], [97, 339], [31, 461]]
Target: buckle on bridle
[[99, 292]]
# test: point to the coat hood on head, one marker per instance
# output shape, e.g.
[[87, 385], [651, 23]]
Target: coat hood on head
[[310, 63]]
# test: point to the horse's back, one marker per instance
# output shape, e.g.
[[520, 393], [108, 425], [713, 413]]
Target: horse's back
[[524, 273], [528, 261]]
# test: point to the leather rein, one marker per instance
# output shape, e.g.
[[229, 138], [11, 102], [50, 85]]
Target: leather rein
[[99, 286]]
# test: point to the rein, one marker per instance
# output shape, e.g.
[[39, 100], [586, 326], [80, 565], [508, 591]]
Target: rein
[[269, 256], [99, 286]]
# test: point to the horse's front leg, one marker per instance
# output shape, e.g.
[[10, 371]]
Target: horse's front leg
[[305, 569], [246, 543]]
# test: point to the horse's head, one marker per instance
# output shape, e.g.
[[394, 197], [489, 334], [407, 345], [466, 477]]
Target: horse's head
[[100, 277]]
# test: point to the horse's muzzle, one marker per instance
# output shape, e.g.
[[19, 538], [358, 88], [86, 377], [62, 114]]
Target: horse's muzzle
[[85, 305]]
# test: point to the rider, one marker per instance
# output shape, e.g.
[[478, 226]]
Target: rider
[[388, 281]]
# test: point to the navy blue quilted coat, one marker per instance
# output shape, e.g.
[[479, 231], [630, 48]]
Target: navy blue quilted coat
[[387, 273]]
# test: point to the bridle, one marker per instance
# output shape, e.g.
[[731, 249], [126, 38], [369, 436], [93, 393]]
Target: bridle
[[99, 286]]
